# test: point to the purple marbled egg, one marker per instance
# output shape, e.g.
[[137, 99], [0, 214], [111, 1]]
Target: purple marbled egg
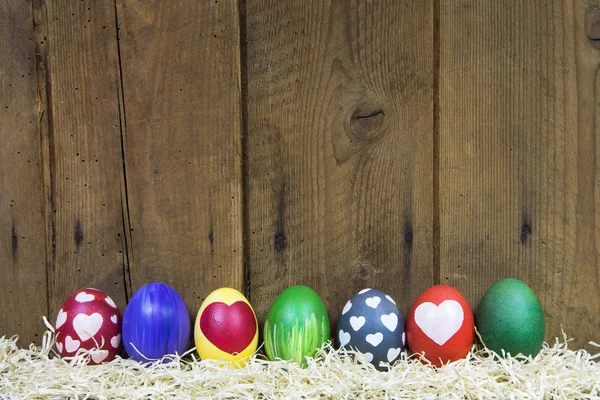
[[156, 323]]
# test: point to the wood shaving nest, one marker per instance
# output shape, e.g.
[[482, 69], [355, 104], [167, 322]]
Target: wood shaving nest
[[556, 373]]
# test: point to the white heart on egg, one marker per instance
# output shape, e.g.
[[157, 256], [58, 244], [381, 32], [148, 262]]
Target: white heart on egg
[[61, 318], [87, 326], [115, 341], [392, 354], [347, 307], [99, 356], [364, 357], [113, 318], [441, 322], [357, 322], [374, 339], [59, 347], [373, 302], [84, 297], [110, 302], [71, 345], [364, 291], [390, 321], [390, 299], [344, 338]]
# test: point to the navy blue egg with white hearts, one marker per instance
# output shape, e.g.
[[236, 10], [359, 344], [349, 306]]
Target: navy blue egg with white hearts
[[372, 324]]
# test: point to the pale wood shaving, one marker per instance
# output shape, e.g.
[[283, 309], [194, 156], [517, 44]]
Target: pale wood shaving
[[556, 373]]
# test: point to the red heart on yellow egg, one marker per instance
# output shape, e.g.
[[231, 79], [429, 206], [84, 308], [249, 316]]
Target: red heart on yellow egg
[[231, 328]]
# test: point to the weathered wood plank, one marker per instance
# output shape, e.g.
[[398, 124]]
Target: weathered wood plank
[[518, 149], [23, 299], [79, 74], [181, 81], [340, 162]]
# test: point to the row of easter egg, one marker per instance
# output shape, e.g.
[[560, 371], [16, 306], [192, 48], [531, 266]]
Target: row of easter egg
[[439, 327], [155, 325]]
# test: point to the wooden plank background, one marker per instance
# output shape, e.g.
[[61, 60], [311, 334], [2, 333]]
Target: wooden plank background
[[23, 292], [261, 144], [181, 133], [518, 155], [81, 141], [339, 185]]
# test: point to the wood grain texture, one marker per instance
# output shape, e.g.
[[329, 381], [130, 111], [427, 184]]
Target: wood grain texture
[[519, 153], [79, 76], [339, 149], [23, 300], [181, 81]]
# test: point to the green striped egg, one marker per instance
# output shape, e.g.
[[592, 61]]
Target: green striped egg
[[297, 325]]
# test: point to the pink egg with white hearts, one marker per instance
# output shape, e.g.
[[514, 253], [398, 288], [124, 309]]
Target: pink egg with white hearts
[[89, 319]]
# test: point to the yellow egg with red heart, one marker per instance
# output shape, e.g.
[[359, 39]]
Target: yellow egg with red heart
[[226, 327]]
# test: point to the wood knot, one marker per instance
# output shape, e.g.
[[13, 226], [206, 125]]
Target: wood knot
[[593, 26], [357, 124], [367, 121], [363, 271], [280, 241], [14, 242], [408, 233], [525, 231], [78, 234]]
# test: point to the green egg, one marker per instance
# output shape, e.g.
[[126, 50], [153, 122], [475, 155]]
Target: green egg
[[510, 318], [297, 325]]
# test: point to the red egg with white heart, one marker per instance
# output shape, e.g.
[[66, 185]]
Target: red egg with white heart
[[226, 328], [88, 320], [440, 326]]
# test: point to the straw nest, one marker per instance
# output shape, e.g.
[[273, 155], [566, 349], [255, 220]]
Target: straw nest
[[556, 373]]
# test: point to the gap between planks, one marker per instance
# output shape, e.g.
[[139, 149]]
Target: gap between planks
[[436, 143], [125, 214]]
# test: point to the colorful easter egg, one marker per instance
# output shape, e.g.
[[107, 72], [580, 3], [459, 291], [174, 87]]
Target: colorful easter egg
[[156, 323], [371, 323], [226, 327], [440, 325], [510, 318], [89, 319], [297, 325]]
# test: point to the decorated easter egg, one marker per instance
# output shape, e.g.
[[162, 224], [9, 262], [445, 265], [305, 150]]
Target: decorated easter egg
[[89, 319], [226, 327], [440, 325], [510, 318], [156, 323], [371, 323], [297, 325]]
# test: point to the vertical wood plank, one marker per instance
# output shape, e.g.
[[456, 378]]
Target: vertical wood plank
[[339, 171], [518, 149], [78, 60], [181, 81], [23, 300]]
